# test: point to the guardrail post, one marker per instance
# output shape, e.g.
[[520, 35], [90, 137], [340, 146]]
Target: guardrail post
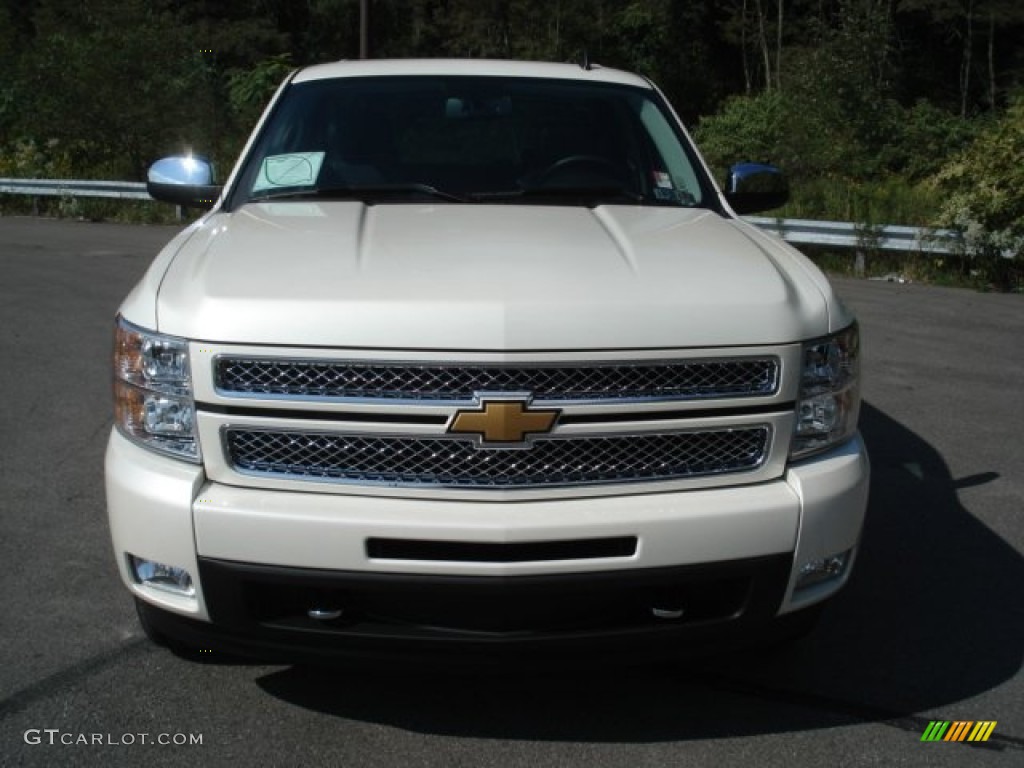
[[860, 264]]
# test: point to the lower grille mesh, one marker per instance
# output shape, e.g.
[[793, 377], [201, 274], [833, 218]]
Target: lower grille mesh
[[450, 462]]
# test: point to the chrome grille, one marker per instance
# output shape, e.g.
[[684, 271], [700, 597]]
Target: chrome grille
[[460, 382], [450, 462]]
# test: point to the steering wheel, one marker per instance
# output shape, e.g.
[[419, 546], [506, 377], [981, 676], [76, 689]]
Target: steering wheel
[[594, 164]]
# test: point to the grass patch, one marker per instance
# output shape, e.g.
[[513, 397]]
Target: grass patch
[[890, 201], [125, 211], [955, 270]]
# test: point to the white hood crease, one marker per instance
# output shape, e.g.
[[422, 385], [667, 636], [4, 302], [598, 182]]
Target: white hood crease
[[485, 277]]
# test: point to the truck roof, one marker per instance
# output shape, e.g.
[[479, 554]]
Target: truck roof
[[479, 67]]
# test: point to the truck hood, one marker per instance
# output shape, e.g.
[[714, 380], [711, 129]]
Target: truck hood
[[486, 277]]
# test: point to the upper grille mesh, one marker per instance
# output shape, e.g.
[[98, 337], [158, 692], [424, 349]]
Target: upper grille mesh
[[419, 461], [459, 382]]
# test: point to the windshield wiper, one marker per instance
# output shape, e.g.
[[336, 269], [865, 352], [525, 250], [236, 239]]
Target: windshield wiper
[[365, 192], [593, 195]]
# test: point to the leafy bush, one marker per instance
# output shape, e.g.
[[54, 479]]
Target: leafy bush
[[983, 187], [27, 159], [250, 89], [746, 128], [888, 200], [925, 137]]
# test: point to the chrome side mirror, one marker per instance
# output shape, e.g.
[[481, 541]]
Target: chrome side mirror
[[755, 187], [183, 180]]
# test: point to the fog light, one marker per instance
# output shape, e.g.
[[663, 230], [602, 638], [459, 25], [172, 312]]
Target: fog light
[[161, 576], [825, 569]]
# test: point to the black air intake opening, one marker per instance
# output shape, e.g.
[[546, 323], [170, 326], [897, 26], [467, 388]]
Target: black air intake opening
[[488, 552]]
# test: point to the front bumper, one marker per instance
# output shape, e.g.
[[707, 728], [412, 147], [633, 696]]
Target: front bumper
[[261, 612], [728, 558]]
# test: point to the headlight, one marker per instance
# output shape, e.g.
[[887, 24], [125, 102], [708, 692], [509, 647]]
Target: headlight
[[153, 402], [829, 401]]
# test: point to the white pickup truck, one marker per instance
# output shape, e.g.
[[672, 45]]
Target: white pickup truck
[[475, 356]]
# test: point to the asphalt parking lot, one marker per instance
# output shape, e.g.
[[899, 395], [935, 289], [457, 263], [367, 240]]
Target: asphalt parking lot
[[931, 626]]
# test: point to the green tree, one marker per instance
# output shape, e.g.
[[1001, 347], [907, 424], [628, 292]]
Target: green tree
[[979, 71], [250, 89], [925, 137], [112, 100], [983, 199], [747, 128], [7, 64], [833, 114]]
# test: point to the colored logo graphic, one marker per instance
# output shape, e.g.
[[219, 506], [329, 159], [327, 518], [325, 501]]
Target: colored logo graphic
[[503, 421], [959, 730]]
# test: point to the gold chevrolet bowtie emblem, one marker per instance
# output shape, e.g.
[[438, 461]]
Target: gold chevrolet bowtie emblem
[[503, 421]]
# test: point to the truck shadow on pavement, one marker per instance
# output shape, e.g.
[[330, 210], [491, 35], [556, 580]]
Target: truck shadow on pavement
[[931, 617]]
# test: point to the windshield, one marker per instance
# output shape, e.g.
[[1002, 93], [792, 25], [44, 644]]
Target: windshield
[[471, 140]]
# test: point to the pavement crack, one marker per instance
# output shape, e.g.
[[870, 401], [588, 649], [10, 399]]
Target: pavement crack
[[52, 684]]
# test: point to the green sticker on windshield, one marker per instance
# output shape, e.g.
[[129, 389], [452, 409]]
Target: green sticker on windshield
[[296, 169]]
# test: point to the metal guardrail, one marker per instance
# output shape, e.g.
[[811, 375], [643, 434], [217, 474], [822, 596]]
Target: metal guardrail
[[836, 234], [863, 237], [132, 190]]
